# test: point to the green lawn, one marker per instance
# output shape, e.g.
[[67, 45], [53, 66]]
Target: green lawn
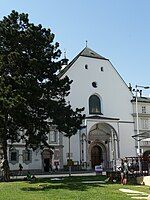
[[69, 188]]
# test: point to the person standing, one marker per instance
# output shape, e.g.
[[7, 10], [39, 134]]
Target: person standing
[[121, 172], [125, 172], [20, 169]]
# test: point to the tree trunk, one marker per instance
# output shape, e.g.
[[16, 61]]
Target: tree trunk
[[69, 159], [6, 176], [5, 166], [6, 173]]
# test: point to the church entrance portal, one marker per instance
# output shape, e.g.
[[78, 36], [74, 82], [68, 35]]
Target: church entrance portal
[[47, 159], [103, 146], [46, 164], [96, 156]]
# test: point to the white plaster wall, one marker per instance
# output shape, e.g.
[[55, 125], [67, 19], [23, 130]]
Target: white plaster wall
[[74, 148], [127, 143], [114, 93], [112, 89], [35, 164]]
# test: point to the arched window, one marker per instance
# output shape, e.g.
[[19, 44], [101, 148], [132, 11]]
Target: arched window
[[94, 105]]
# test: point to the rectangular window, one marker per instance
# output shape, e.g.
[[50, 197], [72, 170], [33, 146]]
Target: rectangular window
[[53, 136], [143, 109], [27, 156], [144, 123], [13, 156]]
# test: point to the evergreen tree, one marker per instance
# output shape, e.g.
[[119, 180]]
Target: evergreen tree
[[32, 96]]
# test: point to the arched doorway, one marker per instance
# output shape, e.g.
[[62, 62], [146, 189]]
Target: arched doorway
[[47, 159], [103, 141], [96, 156]]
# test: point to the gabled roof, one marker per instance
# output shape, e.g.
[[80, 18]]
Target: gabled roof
[[86, 52], [141, 99]]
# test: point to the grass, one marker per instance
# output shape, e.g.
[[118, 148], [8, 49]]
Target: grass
[[68, 188]]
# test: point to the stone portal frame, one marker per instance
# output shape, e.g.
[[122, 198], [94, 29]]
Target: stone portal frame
[[105, 136]]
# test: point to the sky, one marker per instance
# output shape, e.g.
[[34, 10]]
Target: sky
[[116, 29]]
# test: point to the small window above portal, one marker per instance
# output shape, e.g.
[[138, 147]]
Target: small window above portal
[[86, 66], [94, 84]]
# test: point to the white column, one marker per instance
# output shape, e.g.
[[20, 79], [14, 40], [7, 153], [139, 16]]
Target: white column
[[113, 149], [84, 149]]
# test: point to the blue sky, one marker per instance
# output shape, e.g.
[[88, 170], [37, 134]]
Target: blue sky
[[116, 29]]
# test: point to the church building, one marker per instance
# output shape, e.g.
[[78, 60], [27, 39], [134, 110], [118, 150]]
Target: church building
[[109, 122], [99, 88]]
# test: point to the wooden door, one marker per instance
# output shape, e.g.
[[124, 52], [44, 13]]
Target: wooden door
[[96, 156]]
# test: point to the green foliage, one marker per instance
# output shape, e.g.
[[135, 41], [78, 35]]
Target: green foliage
[[32, 96], [70, 122]]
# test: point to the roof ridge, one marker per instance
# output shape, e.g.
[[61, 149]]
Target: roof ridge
[[87, 52]]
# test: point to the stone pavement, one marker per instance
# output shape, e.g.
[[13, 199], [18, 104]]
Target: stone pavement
[[135, 194], [57, 174]]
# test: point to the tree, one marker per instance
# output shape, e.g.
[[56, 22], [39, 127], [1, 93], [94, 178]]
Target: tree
[[32, 96]]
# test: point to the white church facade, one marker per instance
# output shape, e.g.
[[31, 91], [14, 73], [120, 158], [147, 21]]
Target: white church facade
[[110, 120], [107, 100]]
